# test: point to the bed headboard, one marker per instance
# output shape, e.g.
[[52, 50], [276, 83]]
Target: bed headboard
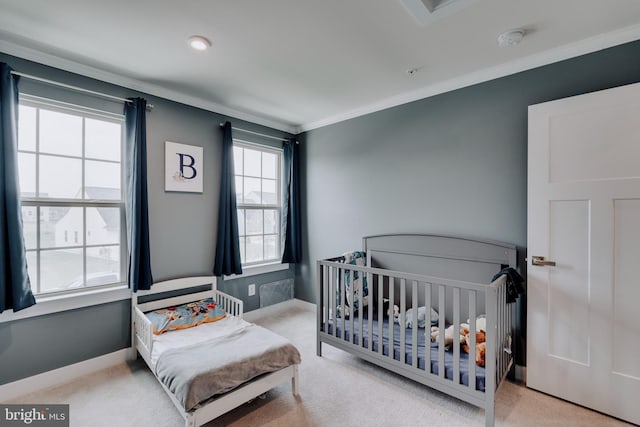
[[175, 291], [449, 257]]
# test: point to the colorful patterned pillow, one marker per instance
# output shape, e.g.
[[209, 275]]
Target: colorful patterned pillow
[[185, 315]]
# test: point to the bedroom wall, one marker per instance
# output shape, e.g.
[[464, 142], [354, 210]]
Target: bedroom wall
[[183, 230], [454, 163]]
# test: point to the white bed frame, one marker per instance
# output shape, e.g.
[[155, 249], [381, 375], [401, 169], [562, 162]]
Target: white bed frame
[[142, 341], [450, 274]]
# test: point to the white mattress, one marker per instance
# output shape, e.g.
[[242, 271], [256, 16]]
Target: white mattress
[[199, 334]]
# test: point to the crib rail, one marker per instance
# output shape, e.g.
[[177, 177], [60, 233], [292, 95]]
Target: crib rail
[[336, 324]]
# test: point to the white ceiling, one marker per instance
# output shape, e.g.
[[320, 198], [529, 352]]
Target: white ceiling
[[300, 64]]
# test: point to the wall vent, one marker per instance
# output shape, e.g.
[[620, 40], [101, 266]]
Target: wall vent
[[427, 11]]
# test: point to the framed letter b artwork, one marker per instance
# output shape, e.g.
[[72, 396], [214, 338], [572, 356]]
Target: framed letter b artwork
[[183, 168]]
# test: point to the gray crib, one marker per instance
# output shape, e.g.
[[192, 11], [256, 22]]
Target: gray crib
[[449, 274]]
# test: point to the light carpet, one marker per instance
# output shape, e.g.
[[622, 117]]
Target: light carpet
[[336, 389]]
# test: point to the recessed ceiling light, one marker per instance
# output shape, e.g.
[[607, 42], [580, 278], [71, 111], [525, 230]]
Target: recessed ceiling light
[[510, 38], [199, 43]]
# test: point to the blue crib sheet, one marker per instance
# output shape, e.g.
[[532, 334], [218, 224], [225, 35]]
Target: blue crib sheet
[[448, 359]]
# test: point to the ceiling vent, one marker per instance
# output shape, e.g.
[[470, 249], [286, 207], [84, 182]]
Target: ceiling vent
[[427, 11]]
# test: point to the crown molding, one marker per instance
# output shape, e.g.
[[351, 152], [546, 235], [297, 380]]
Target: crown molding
[[45, 58], [560, 53]]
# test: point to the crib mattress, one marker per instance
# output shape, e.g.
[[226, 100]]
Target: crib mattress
[[204, 368], [422, 340]]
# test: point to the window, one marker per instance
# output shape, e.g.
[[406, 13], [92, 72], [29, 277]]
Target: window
[[258, 196], [70, 167]]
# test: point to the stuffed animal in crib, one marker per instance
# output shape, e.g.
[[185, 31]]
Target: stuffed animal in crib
[[422, 317], [389, 311], [448, 335], [481, 345]]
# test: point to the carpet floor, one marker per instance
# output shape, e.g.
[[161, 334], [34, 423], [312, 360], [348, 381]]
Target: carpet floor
[[336, 389]]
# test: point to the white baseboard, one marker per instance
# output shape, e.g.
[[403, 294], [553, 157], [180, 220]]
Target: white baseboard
[[13, 390], [251, 316]]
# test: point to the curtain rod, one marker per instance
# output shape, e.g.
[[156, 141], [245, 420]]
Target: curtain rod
[[76, 88], [259, 134]]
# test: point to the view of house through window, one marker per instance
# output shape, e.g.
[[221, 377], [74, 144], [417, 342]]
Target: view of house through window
[[258, 196], [70, 167]]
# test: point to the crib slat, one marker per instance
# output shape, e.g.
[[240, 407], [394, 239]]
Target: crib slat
[[456, 335], [391, 317], [441, 326], [427, 329], [380, 311], [369, 308], [402, 321], [335, 299], [414, 329], [343, 303], [472, 339], [351, 304], [360, 306]]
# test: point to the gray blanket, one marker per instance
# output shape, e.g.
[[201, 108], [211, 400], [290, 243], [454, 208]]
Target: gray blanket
[[196, 373]]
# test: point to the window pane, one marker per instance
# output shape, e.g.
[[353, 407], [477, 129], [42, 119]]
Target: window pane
[[252, 160], [239, 180], [242, 254], [269, 163], [241, 231], [32, 267], [60, 177], [252, 190], [27, 174], [60, 270], [27, 128], [60, 133], [60, 227], [254, 249], [254, 221], [102, 139], [102, 180], [269, 196], [103, 226], [271, 247], [103, 265], [237, 160], [30, 226], [271, 220]]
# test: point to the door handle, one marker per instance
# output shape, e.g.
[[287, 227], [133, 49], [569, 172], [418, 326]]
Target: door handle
[[539, 260]]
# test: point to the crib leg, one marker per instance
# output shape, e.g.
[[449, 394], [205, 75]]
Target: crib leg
[[190, 421], [319, 348], [294, 381]]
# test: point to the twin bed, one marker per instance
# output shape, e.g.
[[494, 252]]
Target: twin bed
[[209, 360], [371, 303]]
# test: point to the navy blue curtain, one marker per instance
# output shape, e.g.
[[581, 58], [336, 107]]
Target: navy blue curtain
[[227, 246], [15, 287], [136, 202], [291, 218]]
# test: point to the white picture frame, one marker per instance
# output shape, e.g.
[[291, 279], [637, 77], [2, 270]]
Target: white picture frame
[[184, 167]]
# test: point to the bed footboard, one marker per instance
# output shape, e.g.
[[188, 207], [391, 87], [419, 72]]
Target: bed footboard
[[359, 319]]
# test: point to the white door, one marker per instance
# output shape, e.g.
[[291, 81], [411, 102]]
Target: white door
[[583, 314]]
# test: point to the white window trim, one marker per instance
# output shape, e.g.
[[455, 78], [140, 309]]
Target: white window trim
[[54, 302], [266, 266], [49, 304], [254, 270]]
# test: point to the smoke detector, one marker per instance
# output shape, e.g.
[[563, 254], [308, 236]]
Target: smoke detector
[[510, 38]]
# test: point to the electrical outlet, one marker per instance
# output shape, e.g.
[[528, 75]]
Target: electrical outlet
[[252, 289]]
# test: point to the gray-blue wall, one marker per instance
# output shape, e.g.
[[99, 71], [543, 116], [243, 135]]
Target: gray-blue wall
[[182, 236], [454, 163]]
